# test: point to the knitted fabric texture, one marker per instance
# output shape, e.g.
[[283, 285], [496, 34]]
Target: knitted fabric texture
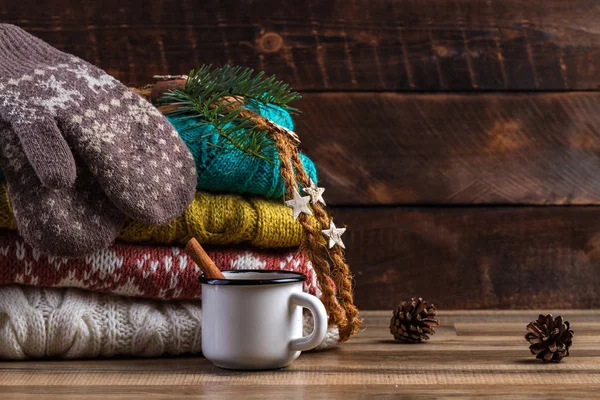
[[51, 104], [69, 323], [232, 171], [56, 102], [212, 219], [140, 271], [72, 221]]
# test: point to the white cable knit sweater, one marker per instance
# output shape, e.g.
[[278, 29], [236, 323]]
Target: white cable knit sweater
[[69, 323]]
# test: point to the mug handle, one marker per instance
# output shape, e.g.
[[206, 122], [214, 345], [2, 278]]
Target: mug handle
[[317, 309]]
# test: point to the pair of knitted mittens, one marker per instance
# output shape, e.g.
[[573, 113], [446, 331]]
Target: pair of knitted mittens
[[81, 151]]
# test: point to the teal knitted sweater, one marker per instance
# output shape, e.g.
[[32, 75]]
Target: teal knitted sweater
[[231, 171]]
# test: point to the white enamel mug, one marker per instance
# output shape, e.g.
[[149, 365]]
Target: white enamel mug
[[252, 319]]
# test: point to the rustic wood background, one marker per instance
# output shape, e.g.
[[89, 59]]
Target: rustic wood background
[[458, 139]]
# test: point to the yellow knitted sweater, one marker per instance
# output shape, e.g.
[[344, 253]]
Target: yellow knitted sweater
[[212, 219]]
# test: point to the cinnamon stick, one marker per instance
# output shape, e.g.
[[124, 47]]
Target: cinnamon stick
[[161, 87], [208, 267]]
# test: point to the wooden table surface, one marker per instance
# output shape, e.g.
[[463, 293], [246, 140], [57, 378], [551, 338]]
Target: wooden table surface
[[473, 353]]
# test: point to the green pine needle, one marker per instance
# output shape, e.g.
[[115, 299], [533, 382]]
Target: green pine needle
[[202, 98]]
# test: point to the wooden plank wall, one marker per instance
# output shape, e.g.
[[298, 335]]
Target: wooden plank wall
[[458, 139]]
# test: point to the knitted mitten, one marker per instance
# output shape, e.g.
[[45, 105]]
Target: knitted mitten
[[68, 222], [69, 323], [142, 271], [56, 103], [232, 171]]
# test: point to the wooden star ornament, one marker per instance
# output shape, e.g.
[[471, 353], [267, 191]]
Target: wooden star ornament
[[334, 235], [315, 193], [299, 204]]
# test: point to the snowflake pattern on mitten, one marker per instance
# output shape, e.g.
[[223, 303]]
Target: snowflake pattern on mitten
[[135, 154], [63, 109], [73, 221]]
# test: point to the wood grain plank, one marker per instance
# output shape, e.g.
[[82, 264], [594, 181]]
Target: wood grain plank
[[349, 368], [381, 318], [370, 365], [454, 149], [349, 391], [502, 328], [386, 45], [474, 257]]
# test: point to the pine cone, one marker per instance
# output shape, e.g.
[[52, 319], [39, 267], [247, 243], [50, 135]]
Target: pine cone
[[550, 339], [414, 320]]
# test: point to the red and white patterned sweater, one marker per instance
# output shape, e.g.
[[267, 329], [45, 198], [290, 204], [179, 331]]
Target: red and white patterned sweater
[[139, 271]]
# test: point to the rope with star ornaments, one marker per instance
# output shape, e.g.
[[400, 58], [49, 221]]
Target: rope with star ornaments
[[327, 260]]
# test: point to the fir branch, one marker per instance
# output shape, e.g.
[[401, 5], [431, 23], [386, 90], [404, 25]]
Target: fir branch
[[242, 82], [219, 97]]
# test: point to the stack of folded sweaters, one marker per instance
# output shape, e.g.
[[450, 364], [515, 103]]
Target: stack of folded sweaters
[[98, 197]]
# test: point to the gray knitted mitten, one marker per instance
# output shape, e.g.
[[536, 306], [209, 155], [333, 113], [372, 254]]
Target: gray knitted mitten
[[73, 221], [58, 104]]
